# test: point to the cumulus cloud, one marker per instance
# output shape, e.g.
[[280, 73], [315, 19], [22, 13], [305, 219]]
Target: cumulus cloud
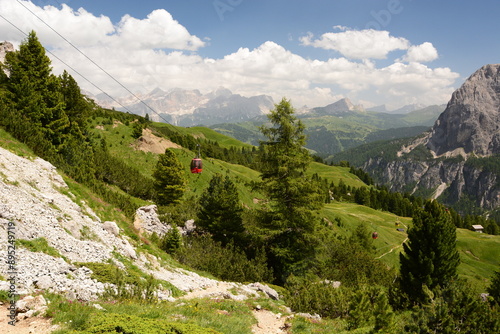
[[159, 30], [422, 53], [358, 44], [158, 51]]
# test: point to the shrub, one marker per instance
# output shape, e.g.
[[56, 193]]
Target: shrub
[[130, 324], [226, 262]]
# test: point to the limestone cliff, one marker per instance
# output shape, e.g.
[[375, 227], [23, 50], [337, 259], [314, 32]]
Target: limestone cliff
[[471, 121], [457, 161]]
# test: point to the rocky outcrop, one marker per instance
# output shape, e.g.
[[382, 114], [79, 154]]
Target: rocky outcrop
[[471, 121], [433, 178], [468, 128]]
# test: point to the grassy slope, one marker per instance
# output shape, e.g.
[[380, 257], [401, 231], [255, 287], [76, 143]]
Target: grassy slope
[[478, 251], [335, 174], [351, 215], [477, 264]]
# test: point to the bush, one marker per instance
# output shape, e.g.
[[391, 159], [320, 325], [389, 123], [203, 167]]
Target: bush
[[225, 262], [130, 324]]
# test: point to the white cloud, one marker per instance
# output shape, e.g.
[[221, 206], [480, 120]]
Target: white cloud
[[422, 53], [358, 44], [136, 53], [159, 30]]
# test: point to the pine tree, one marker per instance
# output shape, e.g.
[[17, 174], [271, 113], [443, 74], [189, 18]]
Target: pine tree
[[34, 91], [430, 257], [172, 240], [76, 105], [220, 212], [169, 178], [294, 199], [494, 287]]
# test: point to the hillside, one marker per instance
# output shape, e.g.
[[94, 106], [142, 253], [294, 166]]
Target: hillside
[[329, 134], [84, 224]]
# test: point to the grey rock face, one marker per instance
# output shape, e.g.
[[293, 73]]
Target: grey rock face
[[470, 126], [471, 120]]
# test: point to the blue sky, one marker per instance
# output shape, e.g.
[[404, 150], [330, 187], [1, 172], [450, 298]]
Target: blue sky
[[392, 52]]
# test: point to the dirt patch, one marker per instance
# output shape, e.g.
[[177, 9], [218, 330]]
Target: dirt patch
[[116, 123], [34, 325], [149, 142], [269, 323]]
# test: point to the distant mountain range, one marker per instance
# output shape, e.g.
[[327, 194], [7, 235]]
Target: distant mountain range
[[190, 107]]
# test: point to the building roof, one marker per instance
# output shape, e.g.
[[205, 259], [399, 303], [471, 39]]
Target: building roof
[[478, 227]]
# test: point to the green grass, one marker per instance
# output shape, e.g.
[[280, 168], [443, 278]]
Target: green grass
[[478, 251], [335, 174], [119, 139], [384, 223], [10, 143], [212, 135], [479, 256], [107, 212], [39, 245], [215, 315]]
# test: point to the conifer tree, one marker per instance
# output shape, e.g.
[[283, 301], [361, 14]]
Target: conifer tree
[[169, 178], [76, 105], [172, 240], [220, 212], [294, 199], [34, 91], [494, 287], [430, 257]]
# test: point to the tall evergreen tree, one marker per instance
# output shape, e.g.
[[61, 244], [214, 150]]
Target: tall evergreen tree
[[220, 212], [76, 105], [494, 287], [34, 91], [170, 180], [294, 199], [430, 258]]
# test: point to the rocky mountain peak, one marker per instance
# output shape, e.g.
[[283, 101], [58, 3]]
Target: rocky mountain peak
[[471, 122], [341, 106]]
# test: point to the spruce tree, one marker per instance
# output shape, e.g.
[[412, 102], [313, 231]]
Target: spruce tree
[[430, 258], [34, 91], [172, 240], [294, 199], [220, 210], [494, 287], [169, 178]]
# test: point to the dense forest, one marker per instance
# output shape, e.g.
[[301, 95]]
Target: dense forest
[[285, 241]]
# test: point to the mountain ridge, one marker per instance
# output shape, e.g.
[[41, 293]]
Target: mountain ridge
[[457, 160]]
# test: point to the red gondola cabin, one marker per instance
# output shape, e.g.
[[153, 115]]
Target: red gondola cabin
[[196, 166]]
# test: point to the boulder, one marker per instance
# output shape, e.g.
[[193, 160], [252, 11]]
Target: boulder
[[111, 228], [270, 292]]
